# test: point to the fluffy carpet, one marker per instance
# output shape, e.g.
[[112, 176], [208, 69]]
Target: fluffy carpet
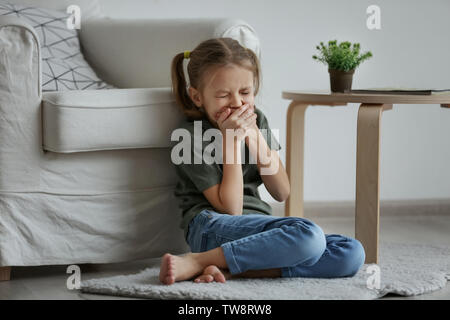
[[404, 269]]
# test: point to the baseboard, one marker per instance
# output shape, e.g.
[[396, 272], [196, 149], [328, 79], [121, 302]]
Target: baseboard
[[415, 207]]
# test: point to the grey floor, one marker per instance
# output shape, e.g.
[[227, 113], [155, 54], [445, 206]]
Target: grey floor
[[49, 282]]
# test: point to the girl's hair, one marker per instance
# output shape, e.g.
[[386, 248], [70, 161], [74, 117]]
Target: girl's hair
[[216, 52]]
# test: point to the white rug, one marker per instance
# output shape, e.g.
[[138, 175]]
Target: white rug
[[404, 269]]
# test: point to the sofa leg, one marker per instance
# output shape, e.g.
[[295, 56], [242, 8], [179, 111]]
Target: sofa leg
[[5, 273]]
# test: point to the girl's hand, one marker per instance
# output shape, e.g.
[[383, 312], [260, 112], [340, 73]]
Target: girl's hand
[[239, 120], [217, 115]]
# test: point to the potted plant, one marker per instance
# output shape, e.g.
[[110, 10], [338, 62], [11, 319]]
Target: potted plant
[[342, 60]]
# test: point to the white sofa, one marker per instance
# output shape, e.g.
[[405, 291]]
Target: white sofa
[[86, 175]]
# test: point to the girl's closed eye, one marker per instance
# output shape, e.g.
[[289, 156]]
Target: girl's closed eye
[[244, 93]]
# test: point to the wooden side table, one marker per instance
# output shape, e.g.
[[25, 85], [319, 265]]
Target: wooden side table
[[367, 213]]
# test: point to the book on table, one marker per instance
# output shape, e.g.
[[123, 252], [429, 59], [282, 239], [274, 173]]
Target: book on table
[[397, 90]]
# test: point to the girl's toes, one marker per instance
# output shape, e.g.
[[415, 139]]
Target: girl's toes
[[219, 277], [204, 278], [216, 273]]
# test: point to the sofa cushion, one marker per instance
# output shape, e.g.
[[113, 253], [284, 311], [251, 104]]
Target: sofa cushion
[[63, 64], [87, 120], [123, 51]]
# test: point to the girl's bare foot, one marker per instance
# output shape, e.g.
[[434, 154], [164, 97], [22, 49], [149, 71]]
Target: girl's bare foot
[[213, 273], [178, 268]]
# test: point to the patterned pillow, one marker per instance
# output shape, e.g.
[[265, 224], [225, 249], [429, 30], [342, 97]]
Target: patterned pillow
[[63, 64]]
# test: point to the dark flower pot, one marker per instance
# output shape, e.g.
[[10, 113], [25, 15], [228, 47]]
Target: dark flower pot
[[341, 81]]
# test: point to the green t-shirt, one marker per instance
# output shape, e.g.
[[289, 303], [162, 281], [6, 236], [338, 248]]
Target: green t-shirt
[[196, 177]]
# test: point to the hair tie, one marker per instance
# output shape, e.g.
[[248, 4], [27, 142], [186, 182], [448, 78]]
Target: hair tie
[[187, 54]]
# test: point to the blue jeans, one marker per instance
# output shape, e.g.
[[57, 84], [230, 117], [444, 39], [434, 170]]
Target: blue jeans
[[295, 245]]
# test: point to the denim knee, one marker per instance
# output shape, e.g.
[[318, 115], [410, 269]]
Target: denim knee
[[312, 242], [353, 257]]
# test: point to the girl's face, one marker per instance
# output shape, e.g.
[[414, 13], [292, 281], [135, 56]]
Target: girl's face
[[230, 86]]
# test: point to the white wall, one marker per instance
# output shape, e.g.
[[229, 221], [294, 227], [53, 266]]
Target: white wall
[[411, 50]]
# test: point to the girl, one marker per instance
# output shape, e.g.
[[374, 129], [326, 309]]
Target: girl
[[229, 229]]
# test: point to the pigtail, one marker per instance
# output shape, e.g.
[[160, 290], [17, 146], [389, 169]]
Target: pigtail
[[257, 70], [179, 89]]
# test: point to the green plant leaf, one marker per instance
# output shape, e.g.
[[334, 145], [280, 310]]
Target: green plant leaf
[[341, 56]]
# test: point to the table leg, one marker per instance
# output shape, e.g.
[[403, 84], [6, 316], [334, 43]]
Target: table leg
[[295, 138], [367, 213]]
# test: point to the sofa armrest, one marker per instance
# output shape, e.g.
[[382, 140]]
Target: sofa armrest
[[20, 99], [137, 53], [13, 41], [95, 120]]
